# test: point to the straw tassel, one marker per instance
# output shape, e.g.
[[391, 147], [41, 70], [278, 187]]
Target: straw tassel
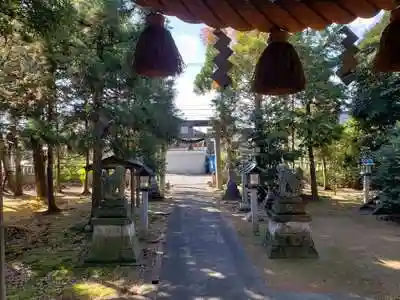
[[387, 58], [279, 70], [156, 54]]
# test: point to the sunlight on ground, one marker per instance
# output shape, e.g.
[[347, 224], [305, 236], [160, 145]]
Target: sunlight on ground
[[349, 245], [210, 209], [392, 264], [27, 205], [212, 273], [45, 253], [253, 295], [93, 290], [269, 272], [23, 205]]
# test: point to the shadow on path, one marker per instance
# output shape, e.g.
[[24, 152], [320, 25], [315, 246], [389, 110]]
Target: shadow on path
[[205, 260]]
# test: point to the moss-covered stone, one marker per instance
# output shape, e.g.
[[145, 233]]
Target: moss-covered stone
[[291, 239], [113, 242]]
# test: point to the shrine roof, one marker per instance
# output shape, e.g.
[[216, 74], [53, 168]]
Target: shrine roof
[[290, 15], [111, 162]]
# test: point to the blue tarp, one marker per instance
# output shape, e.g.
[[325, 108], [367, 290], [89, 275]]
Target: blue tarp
[[211, 163]]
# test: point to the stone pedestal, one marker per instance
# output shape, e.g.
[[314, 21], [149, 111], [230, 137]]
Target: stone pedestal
[[288, 233], [113, 208], [243, 206], [114, 240], [232, 192]]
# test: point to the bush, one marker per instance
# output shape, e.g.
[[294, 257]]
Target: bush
[[387, 173], [72, 169]]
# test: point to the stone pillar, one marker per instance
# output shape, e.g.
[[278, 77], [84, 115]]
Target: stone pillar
[[254, 210], [162, 185], [137, 197], [145, 212], [288, 233], [133, 196], [269, 199], [244, 204]]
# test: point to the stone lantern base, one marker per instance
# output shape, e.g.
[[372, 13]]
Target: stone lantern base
[[288, 233], [114, 238]]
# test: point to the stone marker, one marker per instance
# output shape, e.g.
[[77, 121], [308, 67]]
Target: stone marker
[[288, 232], [154, 192], [114, 237]]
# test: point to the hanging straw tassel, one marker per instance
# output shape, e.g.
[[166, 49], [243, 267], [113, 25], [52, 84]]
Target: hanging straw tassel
[[387, 58], [279, 70], [156, 54]]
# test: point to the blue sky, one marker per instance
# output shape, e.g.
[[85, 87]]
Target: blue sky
[[187, 39]]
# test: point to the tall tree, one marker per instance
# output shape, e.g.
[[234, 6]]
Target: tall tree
[[323, 97]]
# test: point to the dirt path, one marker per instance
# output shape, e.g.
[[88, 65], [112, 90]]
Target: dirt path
[[205, 259], [358, 255]]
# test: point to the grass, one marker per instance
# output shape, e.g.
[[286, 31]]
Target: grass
[[44, 253]]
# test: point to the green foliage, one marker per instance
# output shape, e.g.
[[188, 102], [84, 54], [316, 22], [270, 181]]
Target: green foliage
[[82, 174], [376, 103], [375, 96], [372, 37], [387, 173], [376, 110], [342, 157], [71, 169], [64, 61], [203, 81]]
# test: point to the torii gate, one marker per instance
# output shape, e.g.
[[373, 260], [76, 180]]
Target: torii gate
[[217, 144]]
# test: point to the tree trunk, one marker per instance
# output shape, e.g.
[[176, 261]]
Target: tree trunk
[[86, 191], [164, 170], [8, 180], [58, 168], [51, 201], [40, 174], [18, 171], [58, 153], [229, 155], [98, 126], [324, 174], [96, 181], [18, 191], [313, 173], [258, 123], [2, 239], [97, 156]]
